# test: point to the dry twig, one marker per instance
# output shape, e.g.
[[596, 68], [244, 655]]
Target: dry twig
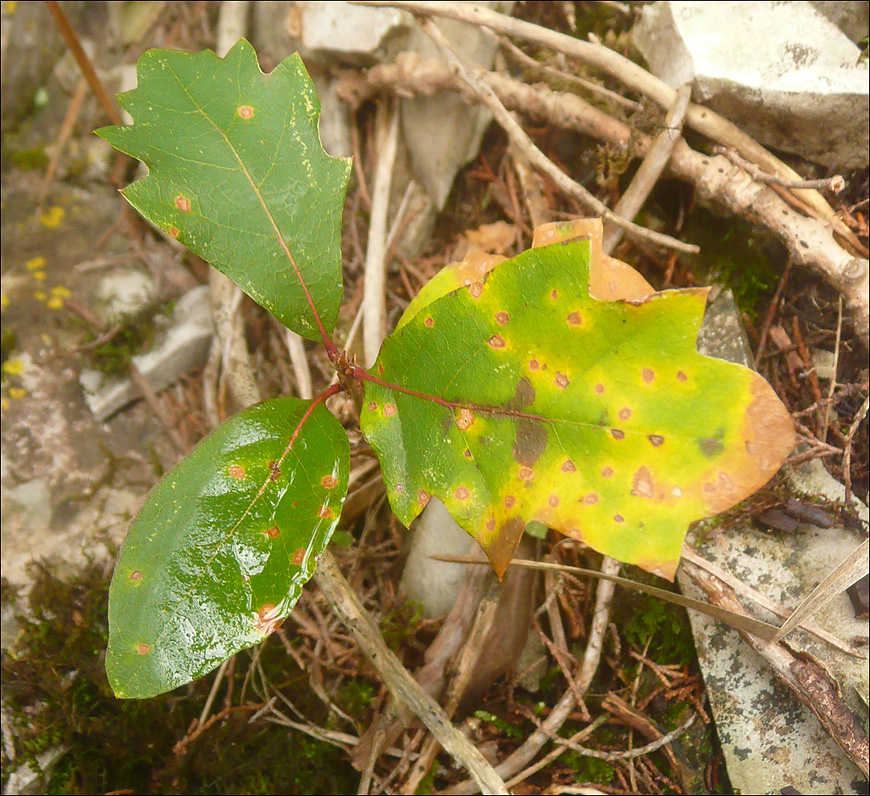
[[538, 159]]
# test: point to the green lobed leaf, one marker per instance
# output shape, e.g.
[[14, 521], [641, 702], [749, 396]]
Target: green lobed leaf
[[223, 545], [237, 173], [531, 400]]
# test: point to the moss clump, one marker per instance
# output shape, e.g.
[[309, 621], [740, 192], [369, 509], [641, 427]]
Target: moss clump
[[56, 693], [113, 356]]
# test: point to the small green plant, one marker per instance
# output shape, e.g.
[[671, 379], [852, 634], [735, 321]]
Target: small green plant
[[554, 387]]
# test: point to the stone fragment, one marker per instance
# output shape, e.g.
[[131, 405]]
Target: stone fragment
[[183, 346]]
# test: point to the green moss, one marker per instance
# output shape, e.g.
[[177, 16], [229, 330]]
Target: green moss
[[400, 624], [499, 723], [737, 255], [56, 693], [32, 159], [113, 357], [589, 769], [642, 617]]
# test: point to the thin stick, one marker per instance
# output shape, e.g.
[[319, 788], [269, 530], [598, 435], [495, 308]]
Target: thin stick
[[299, 360], [847, 456], [835, 184], [563, 709], [650, 169], [826, 415], [577, 737], [538, 159], [698, 117], [403, 687], [374, 299], [564, 77], [85, 64]]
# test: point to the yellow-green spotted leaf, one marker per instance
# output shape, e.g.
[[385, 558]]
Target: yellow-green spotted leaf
[[521, 397], [237, 173], [223, 545]]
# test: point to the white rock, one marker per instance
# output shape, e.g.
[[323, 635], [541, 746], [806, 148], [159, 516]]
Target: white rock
[[182, 347], [124, 292], [434, 584], [339, 27], [779, 70]]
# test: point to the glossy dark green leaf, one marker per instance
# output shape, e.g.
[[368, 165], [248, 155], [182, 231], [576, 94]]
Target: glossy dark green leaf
[[237, 173], [223, 545]]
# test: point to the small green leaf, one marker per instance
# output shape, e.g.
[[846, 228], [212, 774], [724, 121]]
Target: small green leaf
[[521, 397], [237, 173], [223, 545]]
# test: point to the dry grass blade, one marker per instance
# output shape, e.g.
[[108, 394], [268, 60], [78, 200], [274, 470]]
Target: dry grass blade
[[854, 567], [743, 622]]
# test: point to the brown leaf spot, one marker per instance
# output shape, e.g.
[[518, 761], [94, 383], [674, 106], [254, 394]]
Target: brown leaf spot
[[624, 413], [429, 322], [174, 232], [618, 518], [182, 203], [273, 532], [617, 433], [574, 319], [496, 341], [677, 492], [390, 409], [423, 497], [245, 111], [298, 557], [143, 649], [509, 501], [526, 473], [274, 471], [591, 499], [502, 318], [530, 441], [599, 388], [267, 621], [568, 466], [328, 481], [461, 494], [476, 289], [682, 376], [554, 294], [465, 418], [236, 471], [466, 453], [534, 364], [643, 483], [607, 472], [523, 396], [490, 524], [553, 500], [710, 446], [324, 512], [648, 374], [137, 575], [373, 405], [656, 440], [561, 380], [400, 488]]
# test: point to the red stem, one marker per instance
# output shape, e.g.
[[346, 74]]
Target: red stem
[[363, 375]]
